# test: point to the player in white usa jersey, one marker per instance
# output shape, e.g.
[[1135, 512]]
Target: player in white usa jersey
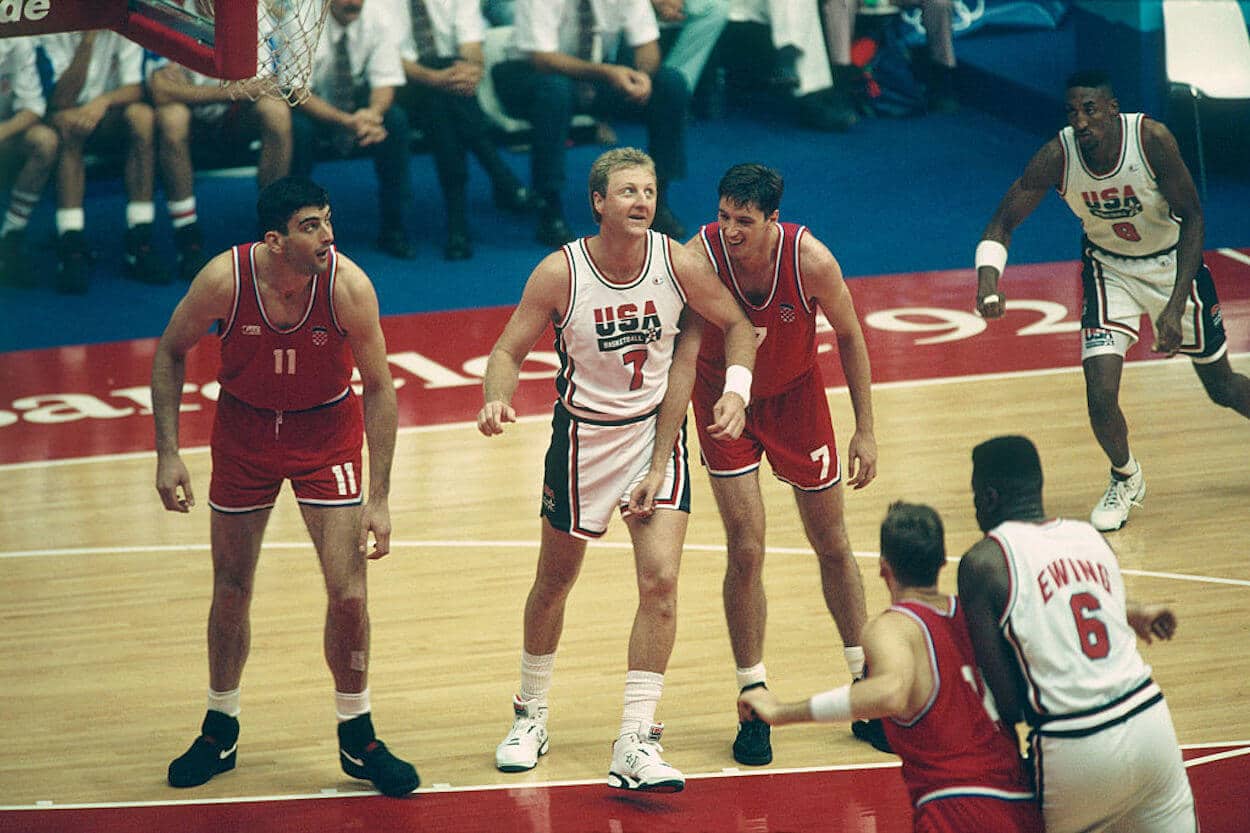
[[1123, 177], [616, 300], [1054, 636]]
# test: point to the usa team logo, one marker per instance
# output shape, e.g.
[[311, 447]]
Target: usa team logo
[[787, 313], [320, 337], [626, 325]]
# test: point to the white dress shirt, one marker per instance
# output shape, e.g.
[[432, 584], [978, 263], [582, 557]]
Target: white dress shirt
[[19, 79], [115, 61]]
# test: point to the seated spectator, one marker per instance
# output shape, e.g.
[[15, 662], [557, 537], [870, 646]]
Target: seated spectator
[[552, 74], [27, 153], [356, 71], [499, 12], [937, 70], [97, 102], [194, 107], [800, 67], [442, 58], [699, 24]]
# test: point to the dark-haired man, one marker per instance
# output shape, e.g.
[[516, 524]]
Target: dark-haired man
[[293, 316], [554, 71], [356, 71], [1055, 638], [781, 275], [1123, 177], [961, 765]]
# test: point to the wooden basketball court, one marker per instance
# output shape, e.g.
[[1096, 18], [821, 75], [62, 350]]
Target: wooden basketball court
[[104, 595]]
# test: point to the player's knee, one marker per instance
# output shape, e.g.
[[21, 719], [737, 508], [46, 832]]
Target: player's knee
[[232, 591], [658, 589], [746, 558], [834, 553], [349, 607], [1101, 406], [553, 585]]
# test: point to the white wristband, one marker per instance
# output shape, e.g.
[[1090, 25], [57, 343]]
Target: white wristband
[[831, 706], [991, 253], [738, 380]]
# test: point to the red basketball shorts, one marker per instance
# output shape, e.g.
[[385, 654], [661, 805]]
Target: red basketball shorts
[[793, 428], [255, 449]]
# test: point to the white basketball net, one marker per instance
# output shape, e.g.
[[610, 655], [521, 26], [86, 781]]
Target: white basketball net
[[287, 35]]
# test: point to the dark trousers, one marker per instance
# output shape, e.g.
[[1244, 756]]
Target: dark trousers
[[548, 102], [455, 126], [313, 140]]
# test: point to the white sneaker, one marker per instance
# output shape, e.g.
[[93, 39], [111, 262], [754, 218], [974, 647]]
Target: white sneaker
[[637, 765], [1122, 495], [527, 739]]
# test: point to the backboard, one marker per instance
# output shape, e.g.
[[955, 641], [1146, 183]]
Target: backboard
[[213, 38], [219, 42]]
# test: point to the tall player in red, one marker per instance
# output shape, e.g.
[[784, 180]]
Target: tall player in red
[[293, 315], [780, 274], [961, 765]]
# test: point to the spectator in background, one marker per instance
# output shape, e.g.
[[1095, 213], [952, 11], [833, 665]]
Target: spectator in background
[[937, 70], [356, 71], [699, 24], [800, 67], [552, 73], [191, 106], [97, 100], [27, 153], [499, 12], [442, 59]]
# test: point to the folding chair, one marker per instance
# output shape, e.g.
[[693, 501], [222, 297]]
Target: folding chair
[[1207, 51]]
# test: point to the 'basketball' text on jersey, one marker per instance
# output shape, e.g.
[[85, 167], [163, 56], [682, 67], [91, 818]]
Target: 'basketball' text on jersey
[[1111, 204], [621, 326], [1064, 571]]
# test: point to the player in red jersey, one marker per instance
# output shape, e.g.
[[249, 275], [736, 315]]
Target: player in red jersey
[[780, 274], [961, 765], [293, 315]]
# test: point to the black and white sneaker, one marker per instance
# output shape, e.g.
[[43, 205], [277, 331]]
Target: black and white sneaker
[[753, 745], [873, 733], [365, 757], [212, 753]]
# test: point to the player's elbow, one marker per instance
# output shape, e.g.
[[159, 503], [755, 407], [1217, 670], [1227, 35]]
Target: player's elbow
[[893, 700]]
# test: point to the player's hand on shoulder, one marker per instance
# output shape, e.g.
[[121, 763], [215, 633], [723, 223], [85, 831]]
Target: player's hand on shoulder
[[729, 416], [863, 459], [491, 419]]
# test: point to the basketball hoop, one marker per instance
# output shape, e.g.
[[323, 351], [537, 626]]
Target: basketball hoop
[[287, 36], [256, 47]]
